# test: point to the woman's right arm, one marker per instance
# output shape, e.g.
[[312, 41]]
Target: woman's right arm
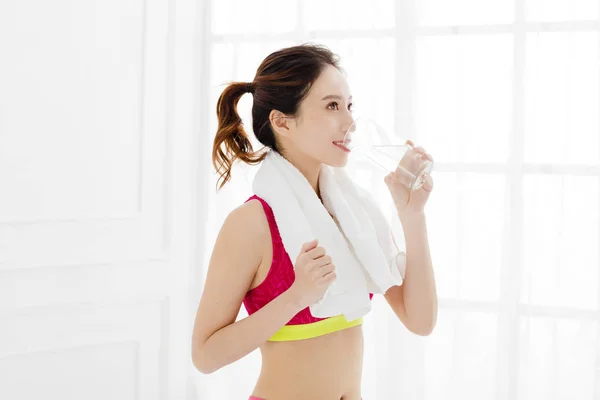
[[217, 339]]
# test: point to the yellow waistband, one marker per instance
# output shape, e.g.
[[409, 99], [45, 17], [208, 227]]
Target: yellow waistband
[[307, 331]]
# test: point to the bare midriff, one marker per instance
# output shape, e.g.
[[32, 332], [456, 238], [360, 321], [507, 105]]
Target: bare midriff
[[327, 367]]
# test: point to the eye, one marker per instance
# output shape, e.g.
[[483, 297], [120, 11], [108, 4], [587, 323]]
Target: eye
[[336, 106]]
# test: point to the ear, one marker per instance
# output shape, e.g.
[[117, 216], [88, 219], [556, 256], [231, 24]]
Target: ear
[[279, 122]]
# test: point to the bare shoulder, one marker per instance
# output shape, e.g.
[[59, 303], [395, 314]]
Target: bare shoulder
[[243, 237], [250, 218]]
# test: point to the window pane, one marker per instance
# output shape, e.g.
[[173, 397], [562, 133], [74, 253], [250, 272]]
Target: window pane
[[442, 217], [438, 355], [561, 98], [557, 359], [481, 240], [460, 356], [463, 12], [561, 10], [575, 362], [249, 56], [464, 96], [257, 16], [221, 73], [560, 241], [348, 14]]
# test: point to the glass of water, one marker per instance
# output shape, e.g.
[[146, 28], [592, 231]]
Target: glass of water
[[368, 140]]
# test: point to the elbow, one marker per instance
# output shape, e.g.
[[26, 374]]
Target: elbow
[[426, 324], [204, 370], [203, 366], [202, 362], [425, 329], [428, 329]]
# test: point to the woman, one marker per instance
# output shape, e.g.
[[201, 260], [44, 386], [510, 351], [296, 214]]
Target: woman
[[302, 105]]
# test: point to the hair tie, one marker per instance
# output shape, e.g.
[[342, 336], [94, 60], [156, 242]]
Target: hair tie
[[249, 87]]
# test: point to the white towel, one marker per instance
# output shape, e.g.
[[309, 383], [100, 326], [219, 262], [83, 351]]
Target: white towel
[[368, 261]]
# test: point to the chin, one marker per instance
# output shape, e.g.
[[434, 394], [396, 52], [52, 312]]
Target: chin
[[337, 162]]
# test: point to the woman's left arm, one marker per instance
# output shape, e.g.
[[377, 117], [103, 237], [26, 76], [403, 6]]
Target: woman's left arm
[[415, 301]]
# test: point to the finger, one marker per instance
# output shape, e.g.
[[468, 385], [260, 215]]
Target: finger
[[309, 245], [330, 277], [320, 262], [412, 159], [326, 269], [389, 178], [421, 151], [427, 155], [424, 154], [428, 185], [315, 253], [410, 143]]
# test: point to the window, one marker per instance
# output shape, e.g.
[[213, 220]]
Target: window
[[505, 96]]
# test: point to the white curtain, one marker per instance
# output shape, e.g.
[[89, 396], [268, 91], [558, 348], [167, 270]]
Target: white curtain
[[505, 97]]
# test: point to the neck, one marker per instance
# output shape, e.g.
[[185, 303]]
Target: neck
[[312, 176], [308, 167]]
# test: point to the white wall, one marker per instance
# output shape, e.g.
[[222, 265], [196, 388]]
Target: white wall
[[96, 188]]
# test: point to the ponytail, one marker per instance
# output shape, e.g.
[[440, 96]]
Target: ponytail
[[231, 141]]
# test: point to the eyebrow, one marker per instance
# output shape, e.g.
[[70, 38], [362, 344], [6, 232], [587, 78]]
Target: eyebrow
[[333, 96]]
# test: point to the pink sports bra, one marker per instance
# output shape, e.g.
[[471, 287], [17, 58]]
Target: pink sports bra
[[279, 278]]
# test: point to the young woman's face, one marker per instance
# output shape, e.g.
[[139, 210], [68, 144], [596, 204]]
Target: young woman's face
[[324, 117]]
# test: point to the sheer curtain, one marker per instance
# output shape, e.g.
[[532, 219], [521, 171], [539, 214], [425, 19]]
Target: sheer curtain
[[504, 95]]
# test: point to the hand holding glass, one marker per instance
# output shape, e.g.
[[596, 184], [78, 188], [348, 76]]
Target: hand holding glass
[[367, 139]]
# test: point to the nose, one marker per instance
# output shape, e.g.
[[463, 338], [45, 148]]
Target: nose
[[350, 125]]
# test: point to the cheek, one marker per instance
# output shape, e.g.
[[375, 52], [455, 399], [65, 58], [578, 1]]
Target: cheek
[[327, 126], [317, 129]]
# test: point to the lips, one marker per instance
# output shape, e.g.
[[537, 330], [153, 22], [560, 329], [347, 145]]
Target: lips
[[341, 144]]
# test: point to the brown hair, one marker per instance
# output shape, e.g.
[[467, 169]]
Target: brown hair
[[281, 82]]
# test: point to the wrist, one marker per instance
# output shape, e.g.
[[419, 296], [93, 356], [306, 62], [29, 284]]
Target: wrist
[[411, 216], [292, 300]]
